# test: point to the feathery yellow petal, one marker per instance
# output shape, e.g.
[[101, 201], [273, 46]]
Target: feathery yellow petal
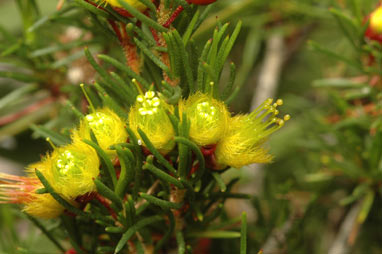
[[208, 117]]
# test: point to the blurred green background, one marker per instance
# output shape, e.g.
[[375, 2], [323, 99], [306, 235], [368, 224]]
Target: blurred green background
[[299, 198]]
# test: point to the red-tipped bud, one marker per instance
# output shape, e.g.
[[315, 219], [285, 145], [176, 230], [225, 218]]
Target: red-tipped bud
[[201, 2], [374, 31]]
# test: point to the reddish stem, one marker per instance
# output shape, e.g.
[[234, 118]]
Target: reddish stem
[[27, 110], [106, 204], [116, 30], [155, 35], [174, 15]]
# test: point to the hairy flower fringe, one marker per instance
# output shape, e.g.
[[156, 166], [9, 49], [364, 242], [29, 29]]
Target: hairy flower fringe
[[108, 128], [149, 113], [22, 190], [71, 169], [242, 145], [208, 117]]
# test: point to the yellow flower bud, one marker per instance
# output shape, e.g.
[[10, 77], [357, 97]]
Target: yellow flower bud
[[208, 118], [135, 3], [108, 128], [43, 206], [376, 20], [242, 145], [149, 113], [72, 169]]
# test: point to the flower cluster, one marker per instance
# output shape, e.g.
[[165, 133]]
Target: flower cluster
[[236, 141], [69, 169], [233, 141]]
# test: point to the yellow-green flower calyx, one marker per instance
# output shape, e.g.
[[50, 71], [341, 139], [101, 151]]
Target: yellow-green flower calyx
[[149, 113], [72, 169], [43, 206], [134, 3], [242, 145], [208, 117], [376, 20], [107, 126]]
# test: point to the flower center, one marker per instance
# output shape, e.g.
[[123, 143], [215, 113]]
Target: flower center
[[206, 111], [69, 163], [100, 123], [149, 103]]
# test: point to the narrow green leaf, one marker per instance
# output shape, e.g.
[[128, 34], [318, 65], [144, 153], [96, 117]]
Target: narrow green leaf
[[57, 197], [203, 58], [67, 60], [102, 72], [190, 28], [197, 152], [183, 164], [151, 55], [130, 211], [92, 8], [346, 22], [185, 60], [161, 159], [149, 4], [160, 202], [114, 230], [55, 137], [124, 68], [16, 94], [163, 175], [180, 241], [18, 76], [224, 224], [59, 47], [337, 83], [215, 234], [142, 17], [131, 231], [230, 44], [127, 161], [74, 109], [319, 48], [366, 206], [220, 181], [228, 88], [168, 233], [214, 214], [173, 52], [129, 91], [106, 160], [108, 193], [243, 233]]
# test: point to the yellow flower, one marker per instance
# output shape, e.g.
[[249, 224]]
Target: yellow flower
[[134, 3], [376, 20], [208, 117], [22, 190], [43, 206], [71, 169], [108, 128], [242, 145], [149, 113]]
